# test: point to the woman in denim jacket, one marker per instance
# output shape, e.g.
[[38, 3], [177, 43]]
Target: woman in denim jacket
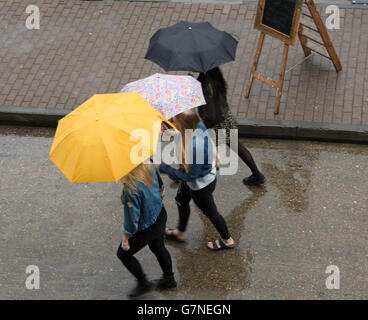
[[144, 223], [197, 180]]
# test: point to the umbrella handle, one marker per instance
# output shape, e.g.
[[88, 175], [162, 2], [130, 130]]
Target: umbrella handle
[[167, 122]]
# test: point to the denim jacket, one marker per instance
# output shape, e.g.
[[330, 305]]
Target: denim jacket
[[196, 169], [141, 206]]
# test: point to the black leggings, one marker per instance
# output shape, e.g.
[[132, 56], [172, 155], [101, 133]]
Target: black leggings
[[138, 242], [247, 158], [203, 198]]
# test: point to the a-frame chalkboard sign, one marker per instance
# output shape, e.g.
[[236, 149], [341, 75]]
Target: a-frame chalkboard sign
[[281, 19]]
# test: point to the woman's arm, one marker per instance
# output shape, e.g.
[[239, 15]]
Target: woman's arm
[[131, 213], [180, 174], [195, 169]]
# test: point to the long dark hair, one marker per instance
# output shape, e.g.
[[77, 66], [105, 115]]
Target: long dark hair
[[213, 81]]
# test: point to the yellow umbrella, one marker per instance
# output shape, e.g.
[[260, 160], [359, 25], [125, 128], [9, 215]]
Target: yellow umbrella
[[106, 137]]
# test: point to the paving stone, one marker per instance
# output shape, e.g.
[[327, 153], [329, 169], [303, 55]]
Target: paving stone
[[85, 47]]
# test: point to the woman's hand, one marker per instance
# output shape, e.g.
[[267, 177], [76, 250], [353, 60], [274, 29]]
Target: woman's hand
[[163, 127], [157, 165], [125, 243]]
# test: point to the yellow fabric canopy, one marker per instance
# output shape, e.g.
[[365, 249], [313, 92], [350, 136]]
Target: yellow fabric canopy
[[106, 137]]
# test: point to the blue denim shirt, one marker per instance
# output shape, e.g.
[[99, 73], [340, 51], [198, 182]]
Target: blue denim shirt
[[196, 170], [141, 206]]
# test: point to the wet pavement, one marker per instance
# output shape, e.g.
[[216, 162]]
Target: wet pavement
[[311, 213]]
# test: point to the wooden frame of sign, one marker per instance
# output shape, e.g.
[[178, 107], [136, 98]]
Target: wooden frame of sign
[[292, 29], [288, 38]]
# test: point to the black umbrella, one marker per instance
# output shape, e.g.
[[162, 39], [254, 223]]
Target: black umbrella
[[191, 47]]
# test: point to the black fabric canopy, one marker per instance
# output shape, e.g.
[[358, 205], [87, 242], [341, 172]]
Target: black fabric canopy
[[191, 47]]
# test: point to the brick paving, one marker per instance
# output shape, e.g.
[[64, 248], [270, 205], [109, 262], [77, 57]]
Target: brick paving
[[85, 47]]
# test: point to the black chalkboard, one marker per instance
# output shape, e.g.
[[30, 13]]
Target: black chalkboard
[[279, 18], [279, 14]]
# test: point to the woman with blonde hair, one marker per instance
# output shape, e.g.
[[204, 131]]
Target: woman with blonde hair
[[144, 223], [197, 176]]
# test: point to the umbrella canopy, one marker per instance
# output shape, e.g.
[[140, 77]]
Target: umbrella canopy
[[169, 94], [95, 142], [191, 47]]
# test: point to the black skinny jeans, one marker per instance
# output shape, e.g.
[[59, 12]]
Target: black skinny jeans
[[138, 241], [203, 198]]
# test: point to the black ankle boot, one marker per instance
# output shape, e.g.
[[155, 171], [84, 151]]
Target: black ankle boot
[[142, 287], [254, 180], [165, 282]]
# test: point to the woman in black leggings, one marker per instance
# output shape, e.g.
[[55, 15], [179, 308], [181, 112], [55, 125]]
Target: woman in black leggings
[[216, 114], [197, 179], [144, 224], [203, 198]]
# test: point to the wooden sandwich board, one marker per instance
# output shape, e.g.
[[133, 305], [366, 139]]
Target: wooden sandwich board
[[281, 20]]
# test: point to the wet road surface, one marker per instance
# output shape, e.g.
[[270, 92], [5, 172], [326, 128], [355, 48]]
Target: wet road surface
[[311, 213]]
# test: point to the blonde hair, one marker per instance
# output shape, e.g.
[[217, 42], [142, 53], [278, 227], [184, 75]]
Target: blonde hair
[[142, 173], [186, 120]]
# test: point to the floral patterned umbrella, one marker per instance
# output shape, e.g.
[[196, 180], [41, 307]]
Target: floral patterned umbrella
[[169, 94]]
